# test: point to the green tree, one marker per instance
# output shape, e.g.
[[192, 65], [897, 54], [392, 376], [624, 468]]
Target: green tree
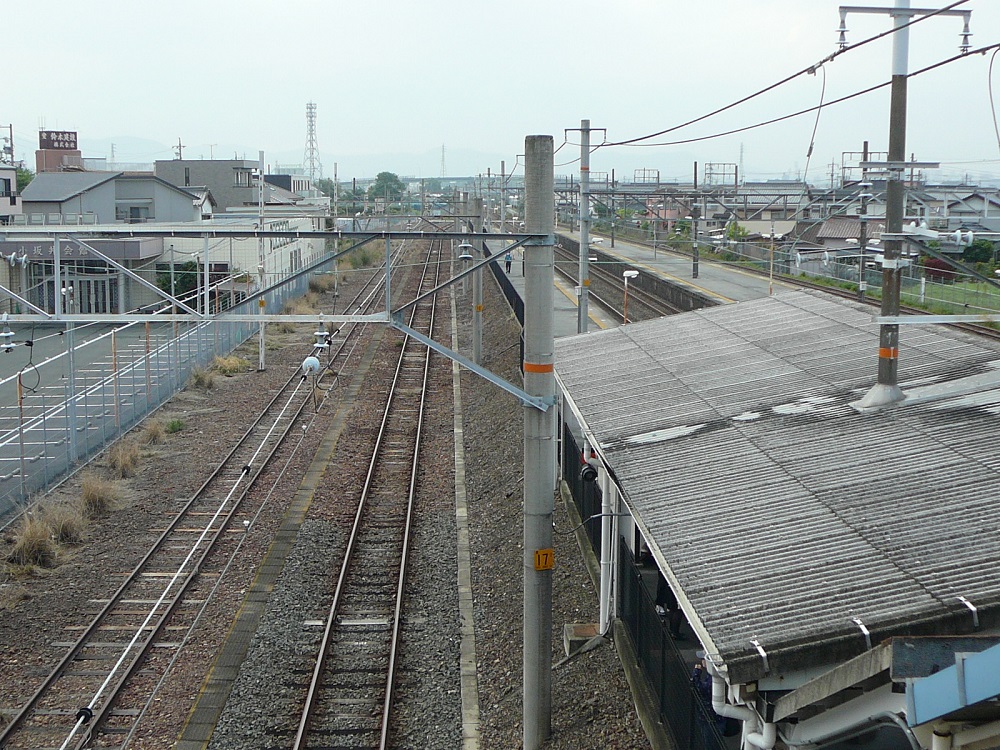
[[387, 184], [980, 251], [185, 278], [325, 186], [24, 176], [736, 232]]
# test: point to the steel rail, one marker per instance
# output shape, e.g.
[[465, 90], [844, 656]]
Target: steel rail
[[114, 603], [978, 329], [407, 528], [312, 700], [655, 306], [92, 718]]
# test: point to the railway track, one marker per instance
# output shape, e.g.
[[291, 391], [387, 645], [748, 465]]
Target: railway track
[[349, 698], [94, 694], [607, 289], [645, 310]]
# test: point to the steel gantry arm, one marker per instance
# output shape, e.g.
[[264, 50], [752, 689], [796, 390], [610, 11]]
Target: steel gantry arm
[[525, 398], [396, 321]]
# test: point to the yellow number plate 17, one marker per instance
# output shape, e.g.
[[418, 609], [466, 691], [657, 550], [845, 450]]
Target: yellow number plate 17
[[545, 559]]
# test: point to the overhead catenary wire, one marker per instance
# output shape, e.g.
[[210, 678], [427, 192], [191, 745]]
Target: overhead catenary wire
[[812, 138], [811, 69], [799, 113], [993, 108]]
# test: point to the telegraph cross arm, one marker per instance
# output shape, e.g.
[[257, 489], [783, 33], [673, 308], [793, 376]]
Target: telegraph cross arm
[[899, 166]]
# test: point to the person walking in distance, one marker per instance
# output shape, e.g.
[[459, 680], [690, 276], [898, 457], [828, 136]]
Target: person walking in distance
[[507, 260]]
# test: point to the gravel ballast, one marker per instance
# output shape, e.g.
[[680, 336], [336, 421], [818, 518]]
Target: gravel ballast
[[591, 703]]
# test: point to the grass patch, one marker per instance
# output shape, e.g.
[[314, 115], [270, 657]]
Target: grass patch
[[153, 433], [97, 495], [360, 258], [321, 284], [201, 379], [304, 305], [66, 523], [174, 425], [33, 545], [229, 366], [123, 459]]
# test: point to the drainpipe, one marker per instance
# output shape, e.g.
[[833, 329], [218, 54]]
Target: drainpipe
[[607, 550], [765, 738], [941, 740]]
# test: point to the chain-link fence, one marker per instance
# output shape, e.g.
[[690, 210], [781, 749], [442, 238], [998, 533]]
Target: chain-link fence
[[91, 384], [930, 287]]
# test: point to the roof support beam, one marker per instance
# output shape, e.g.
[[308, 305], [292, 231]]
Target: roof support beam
[[848, 674]]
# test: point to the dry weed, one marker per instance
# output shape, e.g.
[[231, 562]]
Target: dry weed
[[320, 284], [97, 495], [201, 379], [123, 459], [33, 546], [12, 594], [153, 432], [230, 365], [66, 523]]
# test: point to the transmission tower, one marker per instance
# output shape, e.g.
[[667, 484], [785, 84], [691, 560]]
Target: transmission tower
[[310, 161], [443, 172]]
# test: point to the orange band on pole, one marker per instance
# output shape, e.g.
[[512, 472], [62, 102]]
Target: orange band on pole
[[532, 367], [888, 353]]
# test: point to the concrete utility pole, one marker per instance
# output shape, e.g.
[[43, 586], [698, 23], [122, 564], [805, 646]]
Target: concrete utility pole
[[262, 261], [863, 215], [888, 339], [503, 197], [694, 227], [477, 286], [886, 390], [336, 192], [539, 440], [582, 311], [66, 291]]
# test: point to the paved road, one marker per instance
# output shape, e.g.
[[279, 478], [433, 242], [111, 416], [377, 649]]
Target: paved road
[[724, 283]]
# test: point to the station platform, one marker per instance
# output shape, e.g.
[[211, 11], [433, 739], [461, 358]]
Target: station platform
[[722, 283]]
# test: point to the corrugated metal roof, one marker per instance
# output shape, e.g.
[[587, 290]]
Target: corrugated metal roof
[[781, 511], [840, 229], [60, 186]]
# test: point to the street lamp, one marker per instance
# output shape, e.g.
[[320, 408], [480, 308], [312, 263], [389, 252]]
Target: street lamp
[[630, 274]]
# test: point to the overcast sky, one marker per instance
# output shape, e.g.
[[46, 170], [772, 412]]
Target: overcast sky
[[395, 80]]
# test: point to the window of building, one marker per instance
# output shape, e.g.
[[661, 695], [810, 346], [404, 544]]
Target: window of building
[[242, 177]]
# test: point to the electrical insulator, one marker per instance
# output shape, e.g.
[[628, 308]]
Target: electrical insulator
[[310, 366]]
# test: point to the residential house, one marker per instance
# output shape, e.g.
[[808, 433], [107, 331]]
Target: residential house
[[105, 197], [10, 204]]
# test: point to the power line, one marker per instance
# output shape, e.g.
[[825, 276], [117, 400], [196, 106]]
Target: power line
[[772, 121], [810, 70]]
